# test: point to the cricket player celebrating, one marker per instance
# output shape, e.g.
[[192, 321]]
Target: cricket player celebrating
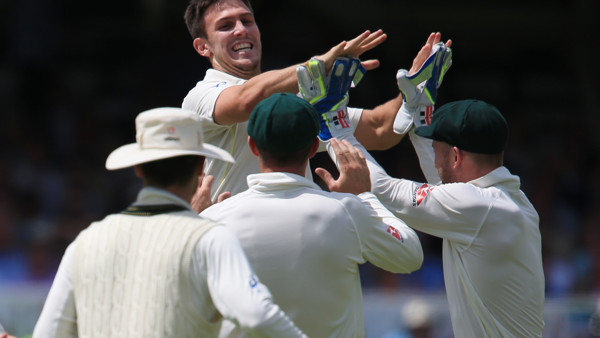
[[491, 239], [306, 244], [225, 32]]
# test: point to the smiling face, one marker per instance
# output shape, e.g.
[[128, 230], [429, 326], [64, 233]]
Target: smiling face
[[232, 41]]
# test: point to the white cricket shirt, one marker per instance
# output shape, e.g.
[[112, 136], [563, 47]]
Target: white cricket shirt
[[233, 138], [491, 244], [306, 244]]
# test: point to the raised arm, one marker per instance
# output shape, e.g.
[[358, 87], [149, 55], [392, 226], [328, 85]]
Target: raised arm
[[236, 102], [374, 131], [389, 243]]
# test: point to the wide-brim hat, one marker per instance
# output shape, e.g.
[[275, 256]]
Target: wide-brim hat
[[164, 133]]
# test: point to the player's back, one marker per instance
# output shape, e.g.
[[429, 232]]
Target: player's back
[[303, 244]]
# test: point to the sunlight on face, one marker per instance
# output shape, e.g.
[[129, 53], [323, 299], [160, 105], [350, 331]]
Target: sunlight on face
[[233, 38], [444, 160]]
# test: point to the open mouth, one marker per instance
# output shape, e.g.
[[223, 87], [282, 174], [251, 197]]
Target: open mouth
[[242, 47]]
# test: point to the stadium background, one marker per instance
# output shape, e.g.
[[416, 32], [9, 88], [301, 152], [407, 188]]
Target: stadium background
[[73, 76]]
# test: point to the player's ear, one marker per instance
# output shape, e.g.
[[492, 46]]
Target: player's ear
[[457, 157], [138, 171], [201, 46], [314, 148], [252, 146]]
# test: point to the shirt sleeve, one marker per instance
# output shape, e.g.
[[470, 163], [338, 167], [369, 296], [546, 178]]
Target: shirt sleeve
[[424, 149], [203, 98], [450, 211], [236, 291], [59, 317], [385, 240]]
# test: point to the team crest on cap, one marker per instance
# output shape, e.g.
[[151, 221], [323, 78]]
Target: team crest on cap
[[171, 130], [420, 193]]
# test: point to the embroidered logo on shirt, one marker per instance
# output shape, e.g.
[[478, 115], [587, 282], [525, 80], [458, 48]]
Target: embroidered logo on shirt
[[420, 193], [253, 281], [394, 232]]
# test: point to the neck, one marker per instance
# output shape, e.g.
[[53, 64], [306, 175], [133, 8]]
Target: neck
[[245, 74], [184, 192]]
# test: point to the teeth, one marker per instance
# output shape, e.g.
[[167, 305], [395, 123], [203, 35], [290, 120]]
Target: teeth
[[242, 46]]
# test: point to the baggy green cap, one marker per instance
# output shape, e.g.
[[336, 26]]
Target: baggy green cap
[[283, 122], [470, 125]]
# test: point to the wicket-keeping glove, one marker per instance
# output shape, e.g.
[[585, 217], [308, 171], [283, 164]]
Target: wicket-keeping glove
[[420, 89], [329, 93]]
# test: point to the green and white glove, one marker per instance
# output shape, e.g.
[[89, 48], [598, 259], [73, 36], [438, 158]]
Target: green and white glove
[[329, 93], [420, 89]]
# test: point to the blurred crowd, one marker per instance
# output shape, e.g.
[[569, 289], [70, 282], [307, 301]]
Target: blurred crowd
[[72, 82]]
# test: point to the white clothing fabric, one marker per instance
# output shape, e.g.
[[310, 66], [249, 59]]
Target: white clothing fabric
[[220, 282], [233, 138], [306, 244], [491, 244]]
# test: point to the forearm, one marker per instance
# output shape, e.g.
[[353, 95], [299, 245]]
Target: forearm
[[397, 248], [424, 151], [374, 130], [235, 103]]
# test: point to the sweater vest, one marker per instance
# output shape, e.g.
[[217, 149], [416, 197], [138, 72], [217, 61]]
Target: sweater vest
[[132, 276]]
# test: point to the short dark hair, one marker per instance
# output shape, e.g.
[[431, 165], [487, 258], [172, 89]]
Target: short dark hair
[[170, 171], [194, 16], [284, 159]]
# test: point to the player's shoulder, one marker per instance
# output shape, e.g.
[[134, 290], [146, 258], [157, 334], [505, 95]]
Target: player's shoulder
[[465, 194], [348, 201]]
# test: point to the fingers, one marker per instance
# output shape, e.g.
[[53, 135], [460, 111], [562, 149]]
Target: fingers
[[201, 198], [350, 153], [364, 42], [223, 196], [336, 146], [418, 61], [425, 51], [326, 177], [373, 40], [205, 183], [370, 64]]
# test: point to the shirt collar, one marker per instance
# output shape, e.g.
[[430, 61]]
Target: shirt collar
[[279, 181], [498, 176], [217, 75]]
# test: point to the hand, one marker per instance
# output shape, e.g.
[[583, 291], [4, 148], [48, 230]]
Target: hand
[[425, 51], [201, 199], [355, 48], [354, 173], [419, 87]]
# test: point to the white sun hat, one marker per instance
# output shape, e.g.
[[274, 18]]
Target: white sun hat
[[163, 133]]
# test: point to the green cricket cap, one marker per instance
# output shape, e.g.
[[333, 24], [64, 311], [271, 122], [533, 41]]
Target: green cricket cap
[[470, 125], [283, 122]]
